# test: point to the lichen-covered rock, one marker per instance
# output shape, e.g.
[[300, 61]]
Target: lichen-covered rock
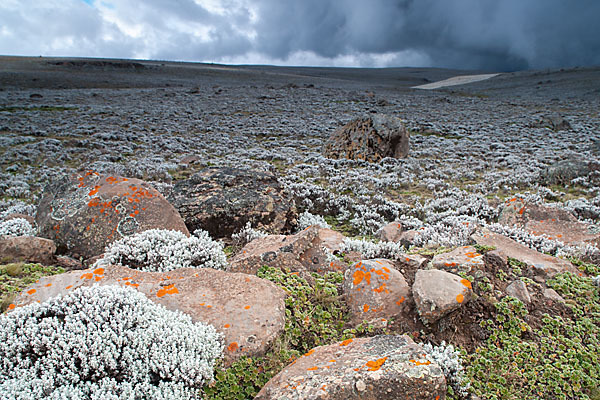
[[222, 200], [412, 261], [27, 249], [85, 212], [391, 232], [375, 291], [369, 138], [306, 250], [543, 264], [461, 259], [375, 368], [249, 311], [552, 222], [437, 293]]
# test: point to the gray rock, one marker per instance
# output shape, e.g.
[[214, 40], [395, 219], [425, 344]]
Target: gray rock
[[380, 367], [519, 290], [551, 294], [438, 293], [27, 249]]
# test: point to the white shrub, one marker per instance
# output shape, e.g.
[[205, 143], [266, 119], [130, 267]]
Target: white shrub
[[449, 361], [246, 235], [389, 250], [104, 342], [165, 250], [16, 227], [596, 280], [307, 219]]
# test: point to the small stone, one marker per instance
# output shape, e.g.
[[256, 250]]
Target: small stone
[[361, 386], [519, 290], [551, 294]]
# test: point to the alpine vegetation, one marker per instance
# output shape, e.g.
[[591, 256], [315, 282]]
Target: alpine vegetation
[[16, 227], [449, 360], [370, 250], [159, 250], [307, 219], [246, 235], [104, 342]]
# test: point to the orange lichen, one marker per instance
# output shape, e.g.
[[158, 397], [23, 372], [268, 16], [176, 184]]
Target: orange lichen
[[94, 190], [31, 291], [312, 368], [401, 300], [132, 284], [365, 308], [89, 275], [466, 282], [97, 278], [451, 264], [169, 289], [460, 298], [99, 271], [309, 353], [419, 362], [69, 287], [386, 269], [380, 288], [226, 326], [375, 365], [247, 308], [522, 210], [346, 342], [11, 306], [233, 346], [48, 285]]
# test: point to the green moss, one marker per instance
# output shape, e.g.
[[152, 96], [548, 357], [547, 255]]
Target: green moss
[[17, 276], [558, 360], [482, 249]]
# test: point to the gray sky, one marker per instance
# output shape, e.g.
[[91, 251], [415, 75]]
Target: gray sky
[[469, 34]]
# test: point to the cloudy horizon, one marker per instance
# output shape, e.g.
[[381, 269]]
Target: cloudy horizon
[[465, 34]]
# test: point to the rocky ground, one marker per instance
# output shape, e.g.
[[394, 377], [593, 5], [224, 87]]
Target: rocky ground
[[497, 202]]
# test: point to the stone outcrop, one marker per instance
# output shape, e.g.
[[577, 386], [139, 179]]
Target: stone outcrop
[[437, 293], [380, 367], [461, 259], [542, 264], [306, 250], [27, 249], [85, 212], [222, 200], [247, 310], [369, 138], [375, 291]]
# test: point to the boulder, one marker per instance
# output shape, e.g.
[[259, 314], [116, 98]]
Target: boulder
[[369, 138], [85, 212], [27, 249], [412, 261], [247, 310], [375, 291], [437, 293], [544, 265], [306, 250], [380, 367], [461, 259], [222, 200], [564, 171], [552, 222], [518, 289], [391, 232]]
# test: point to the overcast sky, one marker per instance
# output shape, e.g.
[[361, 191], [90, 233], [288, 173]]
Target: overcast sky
[[496, 35]]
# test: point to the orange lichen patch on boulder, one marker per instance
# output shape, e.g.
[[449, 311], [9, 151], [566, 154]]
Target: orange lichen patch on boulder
[[381, 289], [420, 362], [460, 298], [226, 326], [451, 264], [233, 346], [386, 269], [466, 282], [69, 287], [309, 353], [382, 274], [472, 254], [132, 284], [401, 300], [522, 210], [346, 342], [11, 306], [97, 278], [48, 285], [31, 291], [312, 368], [365, 308], [94, 190], [99, 271], [89, 275], [375, 365], [247, 308], [169, 289]]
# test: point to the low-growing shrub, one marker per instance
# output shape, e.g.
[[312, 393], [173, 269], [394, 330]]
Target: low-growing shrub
[[246, 235], [104, 342], [16, 227], [307, 219], [165, 250]]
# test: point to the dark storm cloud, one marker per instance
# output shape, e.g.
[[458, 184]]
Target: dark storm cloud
[[499, 35], [470, 34]]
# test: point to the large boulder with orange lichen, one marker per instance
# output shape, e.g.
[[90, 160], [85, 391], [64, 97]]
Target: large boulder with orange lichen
[[249, 311], [222, 200], [306, 250], [437, 293], [375, 291], [85, 212], [369, 138], [375, 368]]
